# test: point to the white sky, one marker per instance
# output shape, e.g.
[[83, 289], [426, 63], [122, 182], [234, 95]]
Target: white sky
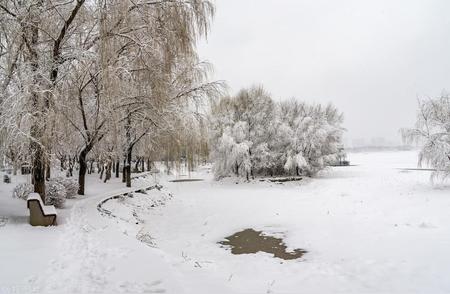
[[372, 59]]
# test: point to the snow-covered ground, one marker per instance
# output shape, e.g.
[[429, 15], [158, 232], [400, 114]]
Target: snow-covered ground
[[369, 228]]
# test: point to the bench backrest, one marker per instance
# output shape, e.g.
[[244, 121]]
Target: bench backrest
[[35, 197]]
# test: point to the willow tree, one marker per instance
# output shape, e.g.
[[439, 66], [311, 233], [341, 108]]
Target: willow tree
[[432, 131], [108, 69], [37, 34], [160, 74]]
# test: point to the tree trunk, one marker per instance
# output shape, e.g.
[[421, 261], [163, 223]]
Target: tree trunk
[[37, 130], [47, 171], [129, 153], [108, 171], [38, 170], [136, 166], [124, 171], [167, 160], [82, 172], [148, 164], [62, 163], [117, 168], [71, 165], [15, 165]]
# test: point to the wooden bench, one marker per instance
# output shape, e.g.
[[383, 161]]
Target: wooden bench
[[40, 214]]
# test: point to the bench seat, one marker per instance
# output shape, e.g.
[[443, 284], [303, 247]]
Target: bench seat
[[40, 214]]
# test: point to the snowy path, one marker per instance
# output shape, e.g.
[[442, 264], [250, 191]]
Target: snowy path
[[370, 228], [97, 255]]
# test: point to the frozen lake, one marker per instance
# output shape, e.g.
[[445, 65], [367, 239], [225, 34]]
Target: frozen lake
[[367, 228]]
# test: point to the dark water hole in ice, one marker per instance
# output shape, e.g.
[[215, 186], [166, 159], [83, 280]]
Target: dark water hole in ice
[[250, 241]]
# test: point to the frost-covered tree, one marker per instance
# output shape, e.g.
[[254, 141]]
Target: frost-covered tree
[[156, 68], [91, 79], [234, 151], [252, 135], [432, 130], [241, 122], [317, 136], [36, 44]]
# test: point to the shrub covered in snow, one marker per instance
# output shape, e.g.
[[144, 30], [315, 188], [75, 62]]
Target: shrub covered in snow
[[55, 194], [70, 185], [56, 189], [22, 191], [250, 135]]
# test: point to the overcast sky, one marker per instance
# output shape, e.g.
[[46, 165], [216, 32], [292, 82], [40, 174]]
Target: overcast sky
[[372, 59]]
